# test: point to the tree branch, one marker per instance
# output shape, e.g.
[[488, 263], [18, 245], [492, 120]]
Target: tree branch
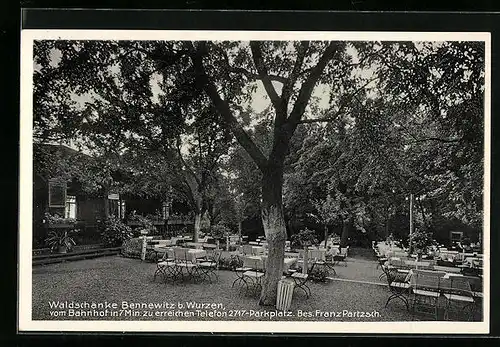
[[266, 81], [223, 107], [188, 169], [437, 139], [308, 86], [288, 86], [343, 104]]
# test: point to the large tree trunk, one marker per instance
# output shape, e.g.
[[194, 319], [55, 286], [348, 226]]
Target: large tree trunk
[[197, 225], [274, 227], [346, 225], [326, 234], [240, 227]]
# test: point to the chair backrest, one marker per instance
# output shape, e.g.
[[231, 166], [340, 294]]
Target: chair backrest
[[397, 262], [393, 275], [162, 243], [429, 272], [215, 255], [477, 263], [425, 280], [460, 285], [317, 254], [445, 269], [253, 263], [400, 254], [181, 254]]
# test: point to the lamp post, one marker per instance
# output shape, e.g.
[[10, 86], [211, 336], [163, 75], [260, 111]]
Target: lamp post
[[166, 208], [411, 220]]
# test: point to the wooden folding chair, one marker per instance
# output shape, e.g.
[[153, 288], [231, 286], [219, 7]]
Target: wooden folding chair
[[399, 285], [185, 262], [255, 274], [459, 292], [425, 290], [210, 267]]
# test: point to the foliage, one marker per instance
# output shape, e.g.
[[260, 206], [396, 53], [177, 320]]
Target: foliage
[[114, 232], [146, 223], [132, 248], [60, 238], [56, 219], [420, 241], [219, 231], [304, 238], [319, 274]]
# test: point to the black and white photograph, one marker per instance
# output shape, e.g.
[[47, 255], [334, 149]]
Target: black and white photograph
[[254, 181]]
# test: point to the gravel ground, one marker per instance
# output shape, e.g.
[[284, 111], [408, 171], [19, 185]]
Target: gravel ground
[[121, 281]]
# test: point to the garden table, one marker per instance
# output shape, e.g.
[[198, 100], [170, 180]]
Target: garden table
[[317, 254], [449, 274], [256, 250], [197, 253], [197, 245]]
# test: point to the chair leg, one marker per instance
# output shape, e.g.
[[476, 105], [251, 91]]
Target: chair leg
[[446, 309], [436, 304]]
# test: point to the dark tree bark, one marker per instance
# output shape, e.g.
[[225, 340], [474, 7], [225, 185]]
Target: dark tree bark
[[275, 229], [346, 226]]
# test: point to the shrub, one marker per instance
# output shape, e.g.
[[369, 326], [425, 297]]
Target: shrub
[[114, 232], [319, 274], [146, 224], [56, 219], [132, 248], [304, 238], [219, 231], [230, 263], [420, 241]]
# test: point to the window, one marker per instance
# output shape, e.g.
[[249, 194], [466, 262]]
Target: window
[[70, 210], [122, 209], [57, 193], [116, 206], [165, 210]]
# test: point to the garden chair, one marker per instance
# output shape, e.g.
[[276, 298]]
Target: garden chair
[[321, 258], [239, 271], [341, 257], [183, 261], [246, 249], [399, 285], [459, 292], [210, 266], [166, 267], [426, 290], [256, 272], [381, 262], [476, 285]]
